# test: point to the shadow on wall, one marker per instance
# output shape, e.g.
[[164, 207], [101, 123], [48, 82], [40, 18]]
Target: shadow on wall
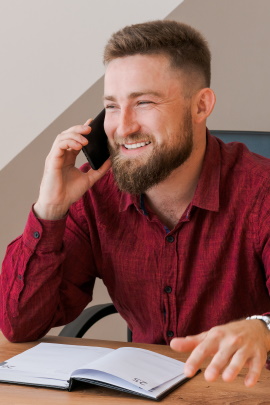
[[20, 179]]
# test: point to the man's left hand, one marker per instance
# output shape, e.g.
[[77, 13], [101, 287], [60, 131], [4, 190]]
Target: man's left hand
[[232, 346]]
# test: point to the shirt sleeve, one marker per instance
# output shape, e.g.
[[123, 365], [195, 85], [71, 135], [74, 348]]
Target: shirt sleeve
[[46, 278], [263, 235], [263, 241]]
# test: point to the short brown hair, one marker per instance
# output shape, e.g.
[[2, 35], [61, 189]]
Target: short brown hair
[[186, 47]]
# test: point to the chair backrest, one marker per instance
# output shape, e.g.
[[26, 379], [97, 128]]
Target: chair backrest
[[88, 318], [256, 141]]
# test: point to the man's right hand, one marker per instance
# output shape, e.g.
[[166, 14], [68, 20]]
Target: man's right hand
[[62, 182]]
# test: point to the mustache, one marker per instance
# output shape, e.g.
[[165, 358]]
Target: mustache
[[135, 137]]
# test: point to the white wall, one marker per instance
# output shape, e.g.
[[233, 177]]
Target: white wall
[[51, 53]]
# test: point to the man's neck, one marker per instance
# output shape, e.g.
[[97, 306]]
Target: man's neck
[[170, 198]]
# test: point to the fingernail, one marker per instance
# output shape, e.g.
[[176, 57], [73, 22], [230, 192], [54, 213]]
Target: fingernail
[[249, 382], [210, 373], [189, 370], [228, 375]]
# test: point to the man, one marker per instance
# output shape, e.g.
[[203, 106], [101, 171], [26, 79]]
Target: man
[[178, 229]]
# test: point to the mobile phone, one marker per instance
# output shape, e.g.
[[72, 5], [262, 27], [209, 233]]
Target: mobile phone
[[96, 151]]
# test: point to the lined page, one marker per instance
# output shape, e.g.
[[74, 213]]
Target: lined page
[[50, 361], [143, 368]]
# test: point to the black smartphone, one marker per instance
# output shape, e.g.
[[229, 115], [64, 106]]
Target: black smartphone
[[96, 151]]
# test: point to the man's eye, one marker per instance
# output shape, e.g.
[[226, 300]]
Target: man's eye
[[144, 102], [109, 106]]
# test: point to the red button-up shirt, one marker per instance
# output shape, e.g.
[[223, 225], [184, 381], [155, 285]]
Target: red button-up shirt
[[213, 267]]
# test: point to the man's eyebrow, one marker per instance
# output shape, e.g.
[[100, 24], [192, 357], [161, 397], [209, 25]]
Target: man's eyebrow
[[144, 93], [109, 98], [135, 94]]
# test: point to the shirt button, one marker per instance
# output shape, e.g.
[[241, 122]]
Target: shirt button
[[20, 277], [36, 235], [168, 289], [170, 238], [170, 333]]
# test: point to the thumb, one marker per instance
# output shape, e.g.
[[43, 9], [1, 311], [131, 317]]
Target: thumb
[[188, 343], [95, 175], [88, 121]]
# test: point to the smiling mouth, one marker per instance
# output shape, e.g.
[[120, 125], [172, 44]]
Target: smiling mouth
[[136, 145]]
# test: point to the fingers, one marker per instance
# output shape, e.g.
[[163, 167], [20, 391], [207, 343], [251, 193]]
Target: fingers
[[204, 349], [186, 344], [71, 139], [220, 362], [193, 344], [88, 121], [231, 347], [79, 129], [255, 369], [240, 359], [75, 133], [62, 183], [227, 352], [236, 364], [232, 358], [71, 142]]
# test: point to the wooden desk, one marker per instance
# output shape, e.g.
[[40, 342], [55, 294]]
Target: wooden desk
[[195, 391]]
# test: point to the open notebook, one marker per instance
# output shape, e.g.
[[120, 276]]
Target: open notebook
[[137, 371]]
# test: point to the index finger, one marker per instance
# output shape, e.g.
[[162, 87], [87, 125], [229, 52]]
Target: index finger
[[78, 129], [186, 344], [201, 352], [88, 121]]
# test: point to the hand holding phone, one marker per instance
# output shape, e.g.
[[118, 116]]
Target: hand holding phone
[[96, 151]]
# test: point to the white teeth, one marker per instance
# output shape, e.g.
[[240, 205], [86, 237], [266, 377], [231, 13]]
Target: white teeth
[[136, 145]]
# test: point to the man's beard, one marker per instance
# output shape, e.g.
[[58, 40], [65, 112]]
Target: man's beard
[[136, 176]]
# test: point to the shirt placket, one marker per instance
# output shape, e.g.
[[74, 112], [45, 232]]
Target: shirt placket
[[169, 279]]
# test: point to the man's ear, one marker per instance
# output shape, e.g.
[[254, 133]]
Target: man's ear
[[202, 104]]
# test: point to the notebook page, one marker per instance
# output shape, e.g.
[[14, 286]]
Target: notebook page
[[104, 379], [51, 360], [21, 377], [140, 367]]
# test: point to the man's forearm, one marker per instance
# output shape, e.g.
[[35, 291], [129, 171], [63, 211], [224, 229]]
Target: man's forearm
[[29, 297], [37, 287]]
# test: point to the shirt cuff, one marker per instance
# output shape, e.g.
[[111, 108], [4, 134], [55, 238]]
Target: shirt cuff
[[44, 235]]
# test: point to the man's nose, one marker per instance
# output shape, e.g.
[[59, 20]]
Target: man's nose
[[127, 123]]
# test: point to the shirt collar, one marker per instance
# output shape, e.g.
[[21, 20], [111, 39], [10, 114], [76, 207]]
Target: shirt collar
[[128, 199], [207, 192]]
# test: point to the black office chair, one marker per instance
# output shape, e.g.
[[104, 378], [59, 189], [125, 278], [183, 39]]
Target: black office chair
[[258, 142], [86, 319]]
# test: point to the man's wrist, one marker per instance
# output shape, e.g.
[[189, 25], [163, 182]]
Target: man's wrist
[[50, 213], [266, 320], [263, 318]]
